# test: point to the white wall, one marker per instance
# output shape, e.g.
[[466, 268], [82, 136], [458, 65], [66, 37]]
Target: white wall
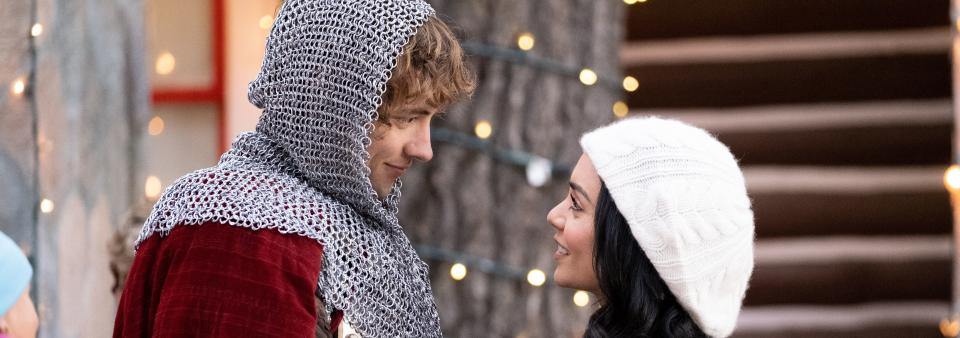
[[244, 50]]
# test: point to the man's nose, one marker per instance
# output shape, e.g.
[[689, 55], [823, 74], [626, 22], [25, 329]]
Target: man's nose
[[419, 146]]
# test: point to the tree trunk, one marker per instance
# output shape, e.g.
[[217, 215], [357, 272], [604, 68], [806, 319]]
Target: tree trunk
[[468, 202], [72, 138]]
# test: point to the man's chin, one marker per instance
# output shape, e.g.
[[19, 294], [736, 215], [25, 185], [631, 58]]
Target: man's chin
[[381, 192]]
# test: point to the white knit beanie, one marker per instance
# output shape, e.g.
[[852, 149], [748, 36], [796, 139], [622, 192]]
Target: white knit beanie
[[685, 200]]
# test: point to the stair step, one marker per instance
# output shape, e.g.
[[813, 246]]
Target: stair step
[[811, 201], [664, 19], [871, 320], [786, 81], [804, 117], [851, 270], [790, 47], [868, 133], [765, 180]]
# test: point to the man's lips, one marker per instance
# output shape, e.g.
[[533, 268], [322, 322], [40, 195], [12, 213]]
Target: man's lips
[[398, 170]]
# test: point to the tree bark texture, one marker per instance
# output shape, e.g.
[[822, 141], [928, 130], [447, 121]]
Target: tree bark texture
[[468, 202], [73, 138]]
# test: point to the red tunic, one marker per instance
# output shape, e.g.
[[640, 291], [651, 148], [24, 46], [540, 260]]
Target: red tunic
[[217, 280]]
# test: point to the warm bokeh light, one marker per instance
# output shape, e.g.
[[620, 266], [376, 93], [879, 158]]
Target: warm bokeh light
[[458, 271], [36, 30], [265, 22], [951, 178], [536, 277], [526, 41], [620, 109], [581, 298], [588, 76], [483, 129], [949, 328], [166, 63], [18, 87], [153, 187], [46, 206], [156, 126], [630, 83]]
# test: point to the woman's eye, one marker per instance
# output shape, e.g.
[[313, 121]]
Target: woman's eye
[[574, 205]]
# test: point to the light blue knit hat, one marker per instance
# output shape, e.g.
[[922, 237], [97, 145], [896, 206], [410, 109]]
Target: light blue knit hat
[[15, 273]]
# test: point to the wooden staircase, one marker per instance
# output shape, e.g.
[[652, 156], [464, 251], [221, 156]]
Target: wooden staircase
[[840, 113]]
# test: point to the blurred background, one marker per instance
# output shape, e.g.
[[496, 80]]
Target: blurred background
[[840, 112]]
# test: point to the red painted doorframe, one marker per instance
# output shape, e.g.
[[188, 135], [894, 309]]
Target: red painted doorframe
[[208, 94]]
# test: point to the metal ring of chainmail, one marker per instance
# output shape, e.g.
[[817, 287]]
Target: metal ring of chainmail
[[304, 170]]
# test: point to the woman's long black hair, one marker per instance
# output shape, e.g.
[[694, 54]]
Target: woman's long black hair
[[635, 302]]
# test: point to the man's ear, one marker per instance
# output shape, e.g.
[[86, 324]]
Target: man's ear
[[4, 325]]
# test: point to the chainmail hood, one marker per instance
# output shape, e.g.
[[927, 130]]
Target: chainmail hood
[[304, 170]]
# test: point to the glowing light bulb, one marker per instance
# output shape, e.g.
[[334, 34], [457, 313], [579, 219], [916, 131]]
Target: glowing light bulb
[[458, 271], [951, 178], [166, 63], [153, 187], [588, 76], [536, 277], [18, 87], [581, 298], [526, 41], [620, 109], [36, 30], [949, 327], [156, 126], [46, 206], [483, 129], [265, 22], [630, 83], [538, 171]]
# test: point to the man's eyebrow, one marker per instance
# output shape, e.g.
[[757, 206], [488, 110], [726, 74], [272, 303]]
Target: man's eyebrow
[[579, 189]]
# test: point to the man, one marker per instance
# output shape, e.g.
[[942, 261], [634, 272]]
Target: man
[[307, 204]]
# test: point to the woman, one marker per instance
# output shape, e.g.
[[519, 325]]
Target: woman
[[18, 317], [657, 224]]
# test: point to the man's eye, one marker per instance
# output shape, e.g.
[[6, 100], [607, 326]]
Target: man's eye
[[403, 121]]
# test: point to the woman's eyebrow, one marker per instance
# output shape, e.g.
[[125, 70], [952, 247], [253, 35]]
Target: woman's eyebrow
[[579, 189]]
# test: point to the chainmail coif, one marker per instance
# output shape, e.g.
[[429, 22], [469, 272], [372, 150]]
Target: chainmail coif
[[304, 170]]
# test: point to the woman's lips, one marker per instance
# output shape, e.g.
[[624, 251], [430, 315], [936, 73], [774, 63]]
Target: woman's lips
[[561, 251]]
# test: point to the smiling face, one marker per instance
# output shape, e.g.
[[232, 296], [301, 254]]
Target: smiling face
[[573, 220], [397, 140]]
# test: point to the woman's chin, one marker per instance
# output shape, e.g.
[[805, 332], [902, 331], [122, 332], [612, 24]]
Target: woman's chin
[[560, 279]]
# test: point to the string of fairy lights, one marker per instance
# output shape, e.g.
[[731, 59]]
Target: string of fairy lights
[[539, 170]]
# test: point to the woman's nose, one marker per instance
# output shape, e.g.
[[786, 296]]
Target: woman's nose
[[554, 217]]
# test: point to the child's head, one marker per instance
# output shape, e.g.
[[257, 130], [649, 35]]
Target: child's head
[[18, 317]]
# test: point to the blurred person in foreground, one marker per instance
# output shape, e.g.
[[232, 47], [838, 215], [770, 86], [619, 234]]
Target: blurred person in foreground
[[18, 316], [297, 224], [657, 225]]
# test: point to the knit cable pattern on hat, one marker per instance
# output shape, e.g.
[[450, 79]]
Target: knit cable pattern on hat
[[685, 200], [304, 170]]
